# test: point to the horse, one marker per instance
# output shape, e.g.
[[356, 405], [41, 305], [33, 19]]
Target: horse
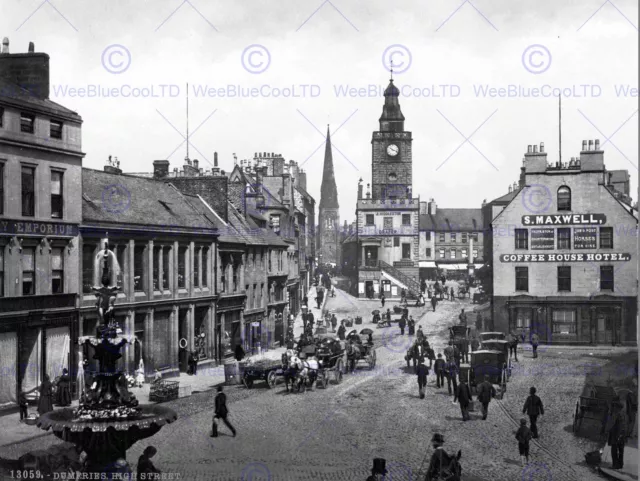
[[419, 351], [354, 352], [301, 372], [290, 369]]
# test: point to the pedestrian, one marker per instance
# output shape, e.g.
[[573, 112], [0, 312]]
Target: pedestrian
[[463, 318], [403, 296], [305, 301], [401, 324], [412, 326], [617, 429], [523, 435], [140, 374], [146, 469], [513, 346], [422, 371], [452, 295], [156, 375], [194, 362], [479, 322], [457, 355], [442, 465], [311, 320], [334, 322], [382, 298], [434, 301], [474, 344], [449, 352], [221, 412], [535, 340], [420, 334], [439, 368], [45, 403], [239, 353], [389, 316], [24, 405], [423, 286], [533, 408], [463, 396], [632, 407], [64, 389], [341, 331], [379, 470], [452, 379], [486, 392]]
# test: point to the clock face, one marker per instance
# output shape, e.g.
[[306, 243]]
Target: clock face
[[392, 150]]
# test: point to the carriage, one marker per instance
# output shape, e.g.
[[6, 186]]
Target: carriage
[[267, 370], [487, 336], [414, 355], [357, 351], [594, 404], [501, 346], [460, 336], [484, 362], [332, 357], [480, 297]]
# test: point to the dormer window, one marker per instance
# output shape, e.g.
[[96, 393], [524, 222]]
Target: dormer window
[[564, 198], [27, 123]]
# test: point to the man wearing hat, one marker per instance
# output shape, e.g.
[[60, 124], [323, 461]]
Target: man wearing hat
[[486, 392], [533, 408], [523, 435], [439, 368], [422, 371], [617, 428], [463, 396], [379, 470], [440, 461]]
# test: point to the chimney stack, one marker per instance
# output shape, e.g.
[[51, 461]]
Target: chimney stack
[[302, 179], [534, 161], [112, 166], [215, 159], [591, 159], [360, 189], [195, 164], [29, 70], [160, 169], [535, 149], [32, 47], [5, 45], [432, 207]]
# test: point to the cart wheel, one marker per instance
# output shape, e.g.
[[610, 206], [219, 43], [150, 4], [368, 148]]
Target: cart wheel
[[247, 381], [271, 379]]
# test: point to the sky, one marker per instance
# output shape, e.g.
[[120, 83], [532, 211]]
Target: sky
[[479, 81]]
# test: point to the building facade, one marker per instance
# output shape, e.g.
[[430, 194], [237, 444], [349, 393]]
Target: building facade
[[329, 212], [564, 254], [40, 212]]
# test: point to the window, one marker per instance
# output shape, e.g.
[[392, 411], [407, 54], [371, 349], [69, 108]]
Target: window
[[249, 297], [236, 270], [28, 191], [522, 239], [606, 278], [564, 278], [475, 253], [428, 252], [87, 267], [452, 253], [138, 268], [564, 322], [270, 256], [56, 195], [196, 266], [406, 219], [406, 251], [223, 274], [157, 252], [428, 235], [182, 267], [120, 256], [396, 242], [166, 267], [261, 291], [1, 271], [522, 279], [205, 265], [55, 129], [275, 223], [606, 237], [464, 253], [453, 237], [1, 188], [564, 238], [564, 198], [57, 270], [27, 123], [441, 253], [474, 235], [256, 302], [465, 237], [28, 271]]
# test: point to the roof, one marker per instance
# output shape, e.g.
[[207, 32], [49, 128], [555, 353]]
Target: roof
[[11, 93], [391, 109], [506, 198], [619, 175], [250, 231], [452, 220], [127, 199]]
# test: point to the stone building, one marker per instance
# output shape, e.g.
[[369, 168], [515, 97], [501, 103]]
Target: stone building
[[564, 253], [40, 211], [329, 212], [388, 216]]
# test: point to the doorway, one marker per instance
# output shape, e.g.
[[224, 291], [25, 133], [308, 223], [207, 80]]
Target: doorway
[[183, 333], [368, 288], [605, 325]]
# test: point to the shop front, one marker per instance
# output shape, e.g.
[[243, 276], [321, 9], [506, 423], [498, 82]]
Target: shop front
[[229, 331]]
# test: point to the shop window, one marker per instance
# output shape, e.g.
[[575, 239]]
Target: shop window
[[28, 271], [428, 252], [28, 191], [464, 253], [564, 278], [396, 242], [564, 238], [522, 279], [606, 278], [522, 239], [55, 129], [205, 265], [452, 253], [406, 219], [564, 321], [523, 318], [441, 253], [606, 237], [453, 237], [564, 198], [27, 123], [196, 266], [56, 195], [57, 270], [441, 237], [138, 268], [166, 267], [87, 267], [465, 237], [475, 253], [157, 252], [182, 267], [406, 251]]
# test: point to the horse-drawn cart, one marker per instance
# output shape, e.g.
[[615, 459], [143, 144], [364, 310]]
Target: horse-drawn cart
[[163, 390], [267, 370], [358, 351], [332, 357], [595, 404]]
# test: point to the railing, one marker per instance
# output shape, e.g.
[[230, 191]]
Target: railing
[[412, 285]]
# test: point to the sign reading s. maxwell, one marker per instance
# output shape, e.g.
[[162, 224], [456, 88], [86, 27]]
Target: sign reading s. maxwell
[[565, 219], [19, 227]]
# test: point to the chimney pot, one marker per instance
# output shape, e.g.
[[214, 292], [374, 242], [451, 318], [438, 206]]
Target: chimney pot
[[541, 147], [32, 47], [584, 145], [591, 145], [5, 45], [597, 145], [215, 159], [535, 149], [529, 149]]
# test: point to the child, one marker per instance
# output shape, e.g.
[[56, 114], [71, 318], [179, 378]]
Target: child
[[523, 436], [23, 406]]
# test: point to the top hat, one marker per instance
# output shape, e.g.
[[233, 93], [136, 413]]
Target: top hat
[[437, 438], [523, 421], [379, 466]]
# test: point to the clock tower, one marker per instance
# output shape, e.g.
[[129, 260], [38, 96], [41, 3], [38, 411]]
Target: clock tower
[[391, 151]]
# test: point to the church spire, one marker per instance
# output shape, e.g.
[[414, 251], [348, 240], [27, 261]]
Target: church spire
[[392, 118], [328, 190]]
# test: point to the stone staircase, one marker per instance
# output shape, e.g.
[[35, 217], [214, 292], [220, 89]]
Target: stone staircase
[[413, 286]]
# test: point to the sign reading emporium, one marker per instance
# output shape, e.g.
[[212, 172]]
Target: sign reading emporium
[[565, 219], [38, 228], [591, 257]]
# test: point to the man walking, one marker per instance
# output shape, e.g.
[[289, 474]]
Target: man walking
[[449, 352], [382, 298], [513, 346], [341, 331], [434, 302], [523, 435], [463, 396], [402, 324], [486, 392], [439, 368], [533, 408], [617, 435], [479, 322], [463, 318], [221, 412], [334, 322], [452, 378], [422, 371], [535, 340]]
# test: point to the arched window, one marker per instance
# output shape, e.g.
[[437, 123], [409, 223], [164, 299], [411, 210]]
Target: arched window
[[564, 198]]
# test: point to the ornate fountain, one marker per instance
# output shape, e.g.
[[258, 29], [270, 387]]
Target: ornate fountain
[[109, 419]]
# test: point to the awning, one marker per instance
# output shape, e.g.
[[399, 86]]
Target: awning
[[429, 264], [453, 267]]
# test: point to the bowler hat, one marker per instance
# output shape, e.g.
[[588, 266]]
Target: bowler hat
[[379, 466], [523, 421], [532, 390], [437, 438]]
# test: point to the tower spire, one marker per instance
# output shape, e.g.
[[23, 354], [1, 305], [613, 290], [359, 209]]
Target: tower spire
[[391, 70], [328, 190], [560, 128]]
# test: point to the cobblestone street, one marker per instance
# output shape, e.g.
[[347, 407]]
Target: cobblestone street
[[334, 434]]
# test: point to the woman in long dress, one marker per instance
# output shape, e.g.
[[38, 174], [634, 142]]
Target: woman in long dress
[[140, 374], [45, 403], [64, 389]]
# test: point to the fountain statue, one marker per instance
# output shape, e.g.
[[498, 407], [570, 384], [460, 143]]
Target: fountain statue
[[109, 419]]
